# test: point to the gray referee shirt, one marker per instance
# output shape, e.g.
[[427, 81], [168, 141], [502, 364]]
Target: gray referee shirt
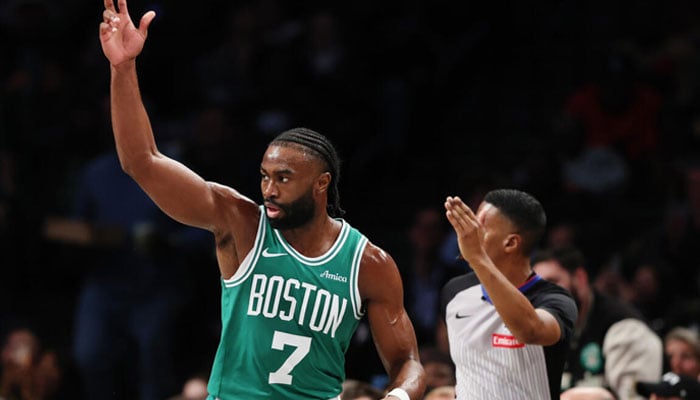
[[490, 362]]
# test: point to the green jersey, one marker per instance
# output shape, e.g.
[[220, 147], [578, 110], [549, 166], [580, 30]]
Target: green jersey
[[287, 319]]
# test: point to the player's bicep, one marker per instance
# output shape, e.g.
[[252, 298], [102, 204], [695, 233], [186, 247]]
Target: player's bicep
[[382, 292], [179, 192]]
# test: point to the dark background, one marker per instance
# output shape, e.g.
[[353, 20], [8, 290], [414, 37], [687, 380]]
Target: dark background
[[423, 99]]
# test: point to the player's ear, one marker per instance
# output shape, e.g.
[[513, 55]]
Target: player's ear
[[323, 181]]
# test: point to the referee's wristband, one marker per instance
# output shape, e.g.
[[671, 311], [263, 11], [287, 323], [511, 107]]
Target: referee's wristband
[[400, 393]]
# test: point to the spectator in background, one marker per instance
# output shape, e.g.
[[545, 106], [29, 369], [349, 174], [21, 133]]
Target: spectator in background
[[612, 347], [607, 138], [133, 288], [423, 271], [671, 387], [682, 348], [194, 388], [27, 370], [616, 110], [227, 72], [683, 233], [441, 393], [354, 389], [439, 368], [647, 294]]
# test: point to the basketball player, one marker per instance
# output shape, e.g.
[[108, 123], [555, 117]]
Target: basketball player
[[295, 278]]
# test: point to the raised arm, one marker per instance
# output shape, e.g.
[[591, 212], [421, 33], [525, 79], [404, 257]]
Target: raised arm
[[527, 324], [382, 292], [176, 189]]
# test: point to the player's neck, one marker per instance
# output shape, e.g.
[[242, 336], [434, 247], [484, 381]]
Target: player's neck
[[314, 238]]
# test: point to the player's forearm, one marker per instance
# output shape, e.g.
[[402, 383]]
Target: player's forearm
[[409, 377], [132, 129]]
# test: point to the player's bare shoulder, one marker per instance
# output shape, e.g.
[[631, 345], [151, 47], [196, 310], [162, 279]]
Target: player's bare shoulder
[[374, 257], [378, 271]]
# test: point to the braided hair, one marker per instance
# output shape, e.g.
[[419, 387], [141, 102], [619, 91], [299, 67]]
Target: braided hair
[[323, 149]]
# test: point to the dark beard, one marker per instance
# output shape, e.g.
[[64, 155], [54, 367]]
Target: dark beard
[[295, 214]]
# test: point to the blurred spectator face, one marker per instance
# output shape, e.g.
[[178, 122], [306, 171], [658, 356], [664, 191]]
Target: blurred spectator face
[[561, 235], [645, 282], [576, 283], [441, 393], [551, 270], [359, 390], [682, 358], [195, 389], [426, 233], [20, 349], [438, 374]]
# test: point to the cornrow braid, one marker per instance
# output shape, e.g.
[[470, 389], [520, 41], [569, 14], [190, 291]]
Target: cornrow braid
[[321, 147]]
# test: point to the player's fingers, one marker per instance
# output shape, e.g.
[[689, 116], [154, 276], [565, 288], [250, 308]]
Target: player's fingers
[[146, 22], [122, 7], [110, 17], [109, 5], [106, 30]]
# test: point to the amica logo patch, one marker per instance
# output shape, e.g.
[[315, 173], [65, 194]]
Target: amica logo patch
[[333, 276]]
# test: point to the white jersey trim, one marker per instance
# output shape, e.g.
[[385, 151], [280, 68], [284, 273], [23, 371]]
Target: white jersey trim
[[246, 268], [322, 259], [355, 297]]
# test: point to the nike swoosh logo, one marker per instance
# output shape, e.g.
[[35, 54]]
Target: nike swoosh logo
[[460, 316], [267, 254]]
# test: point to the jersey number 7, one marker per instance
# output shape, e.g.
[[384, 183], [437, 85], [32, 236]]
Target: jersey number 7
[[279, 341]]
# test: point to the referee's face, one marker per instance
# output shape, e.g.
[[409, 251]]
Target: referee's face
[[499, 233]]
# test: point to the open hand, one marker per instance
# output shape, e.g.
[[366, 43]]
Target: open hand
[[121, 40], [466, 225]]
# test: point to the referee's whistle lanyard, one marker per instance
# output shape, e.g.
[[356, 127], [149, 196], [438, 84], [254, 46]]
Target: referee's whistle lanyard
[[531, 280]]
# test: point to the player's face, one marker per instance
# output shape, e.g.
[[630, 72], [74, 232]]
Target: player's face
[[287, 182], [292, 215]]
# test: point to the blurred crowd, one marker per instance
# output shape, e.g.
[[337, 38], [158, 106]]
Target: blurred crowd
[[593, 107]]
